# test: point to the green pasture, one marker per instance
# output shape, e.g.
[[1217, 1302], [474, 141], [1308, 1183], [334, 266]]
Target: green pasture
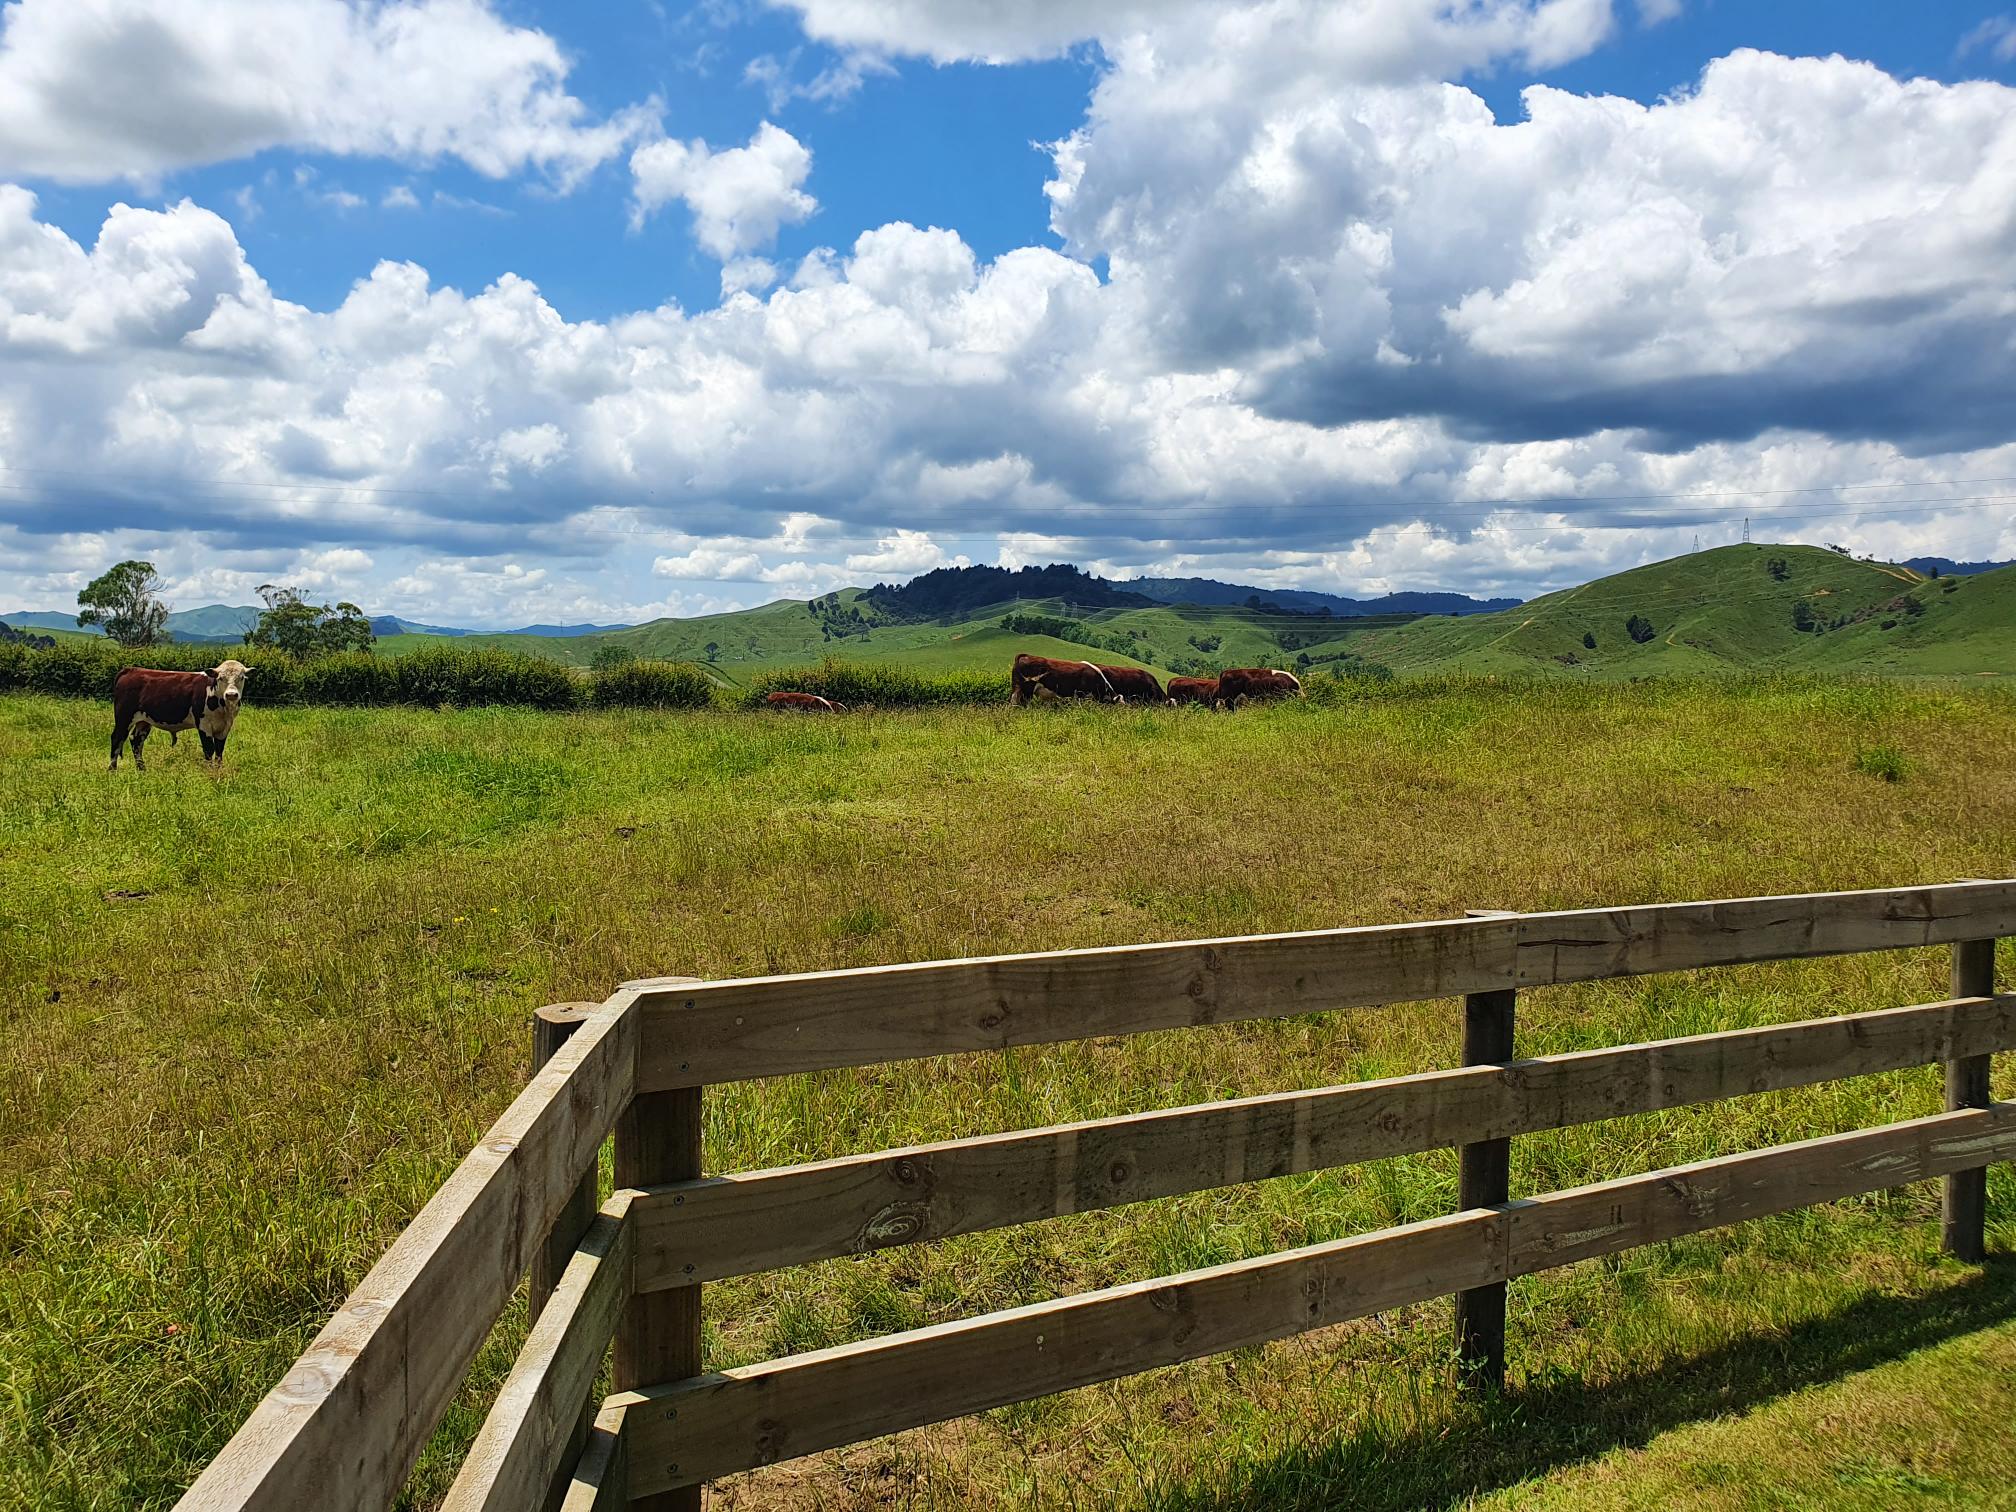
[[253, 1018]]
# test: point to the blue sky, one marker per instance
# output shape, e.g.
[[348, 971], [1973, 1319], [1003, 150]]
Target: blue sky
[[1286, 291]]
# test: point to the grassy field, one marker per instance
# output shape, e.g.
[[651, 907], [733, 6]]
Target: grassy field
[[253, 1020]]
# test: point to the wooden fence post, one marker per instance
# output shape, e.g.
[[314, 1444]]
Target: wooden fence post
[[1484, 1179], [552, 1027], [1965, 1208], [658, 1339]]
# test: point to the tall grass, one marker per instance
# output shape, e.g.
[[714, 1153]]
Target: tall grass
[[253, 1018]]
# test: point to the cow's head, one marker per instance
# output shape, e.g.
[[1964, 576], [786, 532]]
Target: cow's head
[[227, 684]]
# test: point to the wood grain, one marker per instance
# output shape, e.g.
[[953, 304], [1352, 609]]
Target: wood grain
[[696, 1430], [769, 1026], [1964, 1202], [764, 1220], [523, 1449], [346, 1423], [601, 1481]]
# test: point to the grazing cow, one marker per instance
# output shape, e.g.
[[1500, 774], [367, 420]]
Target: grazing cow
[[1061, 679], [1136, 684], [145, 699], [1193, 690], [809, 703], [1238, 685]]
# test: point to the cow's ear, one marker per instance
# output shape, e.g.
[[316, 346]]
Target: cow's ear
[[211, 673], [245, 673]]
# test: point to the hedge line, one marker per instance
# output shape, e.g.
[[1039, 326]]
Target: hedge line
[[468, 677]]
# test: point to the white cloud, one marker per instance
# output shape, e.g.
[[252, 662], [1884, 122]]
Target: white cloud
[[1996, 36], [739, 196], [1350, 39], [1341, 321], [400, 197], [905, 553], [95, 90]]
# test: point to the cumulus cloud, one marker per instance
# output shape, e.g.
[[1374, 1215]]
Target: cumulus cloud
[[1365, 38], [1345, 318], [739, 196], [94, 90]]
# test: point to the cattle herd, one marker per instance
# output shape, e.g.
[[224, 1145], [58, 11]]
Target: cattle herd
[[145, 699]]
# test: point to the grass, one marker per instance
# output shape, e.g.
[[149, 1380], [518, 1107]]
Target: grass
[[253, 1020]]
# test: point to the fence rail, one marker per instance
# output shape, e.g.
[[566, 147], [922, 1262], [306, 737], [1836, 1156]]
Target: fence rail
[[345, 1426]]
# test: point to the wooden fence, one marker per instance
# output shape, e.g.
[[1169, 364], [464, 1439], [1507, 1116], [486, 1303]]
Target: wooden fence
[[346, 1424]]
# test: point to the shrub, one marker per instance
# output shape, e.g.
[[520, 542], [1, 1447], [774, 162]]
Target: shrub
[[1779, 568], [881, 685], [1588, 640], [1639, 629], [1886, 762], [635, 684], [1803, 617]]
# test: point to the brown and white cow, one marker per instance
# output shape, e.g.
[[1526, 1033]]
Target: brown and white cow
[[1237, 684], [1193, 690], [1135, 685], [810, 703], [145, 699], [1062, 679]]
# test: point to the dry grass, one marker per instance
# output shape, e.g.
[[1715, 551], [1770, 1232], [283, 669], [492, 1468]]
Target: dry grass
[[226, 1094]]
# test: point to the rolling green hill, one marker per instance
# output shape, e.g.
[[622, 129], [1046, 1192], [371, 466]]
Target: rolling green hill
[[1728, 610]]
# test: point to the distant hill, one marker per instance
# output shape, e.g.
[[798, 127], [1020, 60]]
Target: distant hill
[[1947, 567], [953, 590], [391, 624], [224, 624], [1745, 607], [1195, 590]]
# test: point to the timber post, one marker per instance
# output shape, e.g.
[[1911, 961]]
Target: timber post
[[1484, 1179], [658, 1339], [1964, 1208], [552, 1027]]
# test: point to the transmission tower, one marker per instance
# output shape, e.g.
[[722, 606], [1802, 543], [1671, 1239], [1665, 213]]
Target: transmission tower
[[1746, 530]]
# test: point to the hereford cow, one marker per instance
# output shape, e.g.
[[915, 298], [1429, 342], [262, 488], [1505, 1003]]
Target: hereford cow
[[1193, 690], [809, 703], [1135, 684], [1245, 684], [1062, 679], [145, 699]]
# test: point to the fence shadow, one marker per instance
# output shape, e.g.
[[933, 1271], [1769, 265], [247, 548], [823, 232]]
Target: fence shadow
[[1546, 1426]]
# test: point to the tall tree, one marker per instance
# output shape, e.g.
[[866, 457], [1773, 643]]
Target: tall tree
[[127, 602], [290, 623]]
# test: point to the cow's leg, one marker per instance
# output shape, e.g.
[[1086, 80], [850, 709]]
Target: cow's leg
[[220, 752], [210, 747], [119, 728], [139, 740]]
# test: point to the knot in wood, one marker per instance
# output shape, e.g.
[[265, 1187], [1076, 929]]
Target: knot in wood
[[898, 1223], [905, 1171], [1119, 1172]]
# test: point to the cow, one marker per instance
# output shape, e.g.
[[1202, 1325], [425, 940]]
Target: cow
[[1238, 685], [1135, 685], [145, 699], [1193, 690], [808, 703], [1061, 679]]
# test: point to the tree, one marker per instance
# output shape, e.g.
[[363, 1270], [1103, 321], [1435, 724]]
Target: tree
[[290, 623], [127, 602], [1802, 615], [712, 649], [609, 657], [1589, 640], [1779, 568], [1639, 628]]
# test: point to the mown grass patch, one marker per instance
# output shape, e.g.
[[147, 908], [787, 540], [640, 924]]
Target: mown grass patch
[[253, 1018]]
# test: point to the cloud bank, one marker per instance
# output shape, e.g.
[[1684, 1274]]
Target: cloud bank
[[1315, 317]]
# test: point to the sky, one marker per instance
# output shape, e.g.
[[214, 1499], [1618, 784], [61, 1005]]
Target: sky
[[490, 312]]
